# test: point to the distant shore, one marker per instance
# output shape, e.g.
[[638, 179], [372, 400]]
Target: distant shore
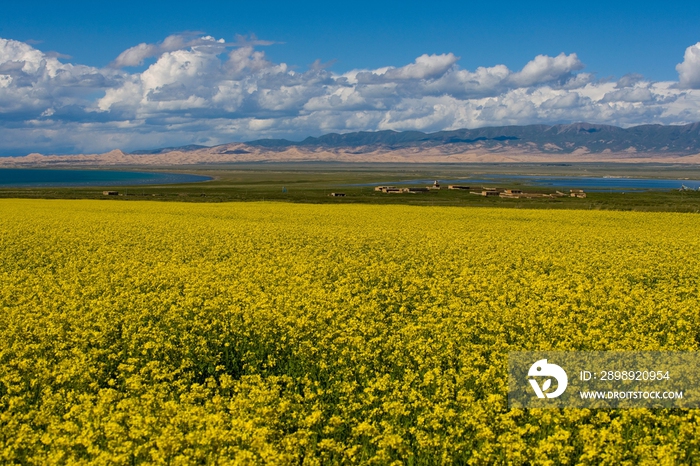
[[240, 153]]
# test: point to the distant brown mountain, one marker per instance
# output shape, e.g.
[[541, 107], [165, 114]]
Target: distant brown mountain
[[680, 140], [580, 142]]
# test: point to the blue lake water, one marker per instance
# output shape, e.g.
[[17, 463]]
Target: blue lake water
[[564, 182], [37, 177]]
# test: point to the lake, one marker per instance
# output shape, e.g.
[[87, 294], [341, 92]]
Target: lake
[[44, 178], [600, 184]]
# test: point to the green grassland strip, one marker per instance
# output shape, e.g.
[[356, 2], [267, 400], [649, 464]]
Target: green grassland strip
[[313, 183]]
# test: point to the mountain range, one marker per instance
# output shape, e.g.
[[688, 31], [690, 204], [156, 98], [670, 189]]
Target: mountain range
[[578, 142], [678, 140], [558, 138]]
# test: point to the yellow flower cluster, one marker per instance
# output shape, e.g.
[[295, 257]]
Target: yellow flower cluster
[[263, 333]]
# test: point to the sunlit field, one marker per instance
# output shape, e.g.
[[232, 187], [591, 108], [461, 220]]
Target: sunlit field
[[279, 333]]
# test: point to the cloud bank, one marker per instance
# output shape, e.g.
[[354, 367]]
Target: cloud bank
[[203, 90]]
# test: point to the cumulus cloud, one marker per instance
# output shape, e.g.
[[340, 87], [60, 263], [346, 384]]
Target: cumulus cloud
[[629, 80], [200, 89], [689, 69], [33, 83], [630, 94], [544, 69], [425, 67], [135, 56]]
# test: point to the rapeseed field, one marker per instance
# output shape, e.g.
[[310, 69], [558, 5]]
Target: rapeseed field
[[264, 333]]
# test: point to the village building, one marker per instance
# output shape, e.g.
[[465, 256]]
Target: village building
[[387, 189], [417, 190]]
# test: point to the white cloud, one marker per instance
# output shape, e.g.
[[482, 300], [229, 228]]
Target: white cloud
[[689, 69], [33, 83], [629, 80], [640, 92], [135, 56], [25, 57], [425, 67], [544, 69], [563, 101], [207, 91]]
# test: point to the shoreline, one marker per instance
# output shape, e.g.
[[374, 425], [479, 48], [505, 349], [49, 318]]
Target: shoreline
[[149, 178]]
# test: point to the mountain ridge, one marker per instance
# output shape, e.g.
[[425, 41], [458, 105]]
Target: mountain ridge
[[672, 139], [563, 138], [572, 143]]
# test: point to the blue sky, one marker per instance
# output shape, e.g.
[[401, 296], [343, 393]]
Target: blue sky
[[619, 66], [612, 38]]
